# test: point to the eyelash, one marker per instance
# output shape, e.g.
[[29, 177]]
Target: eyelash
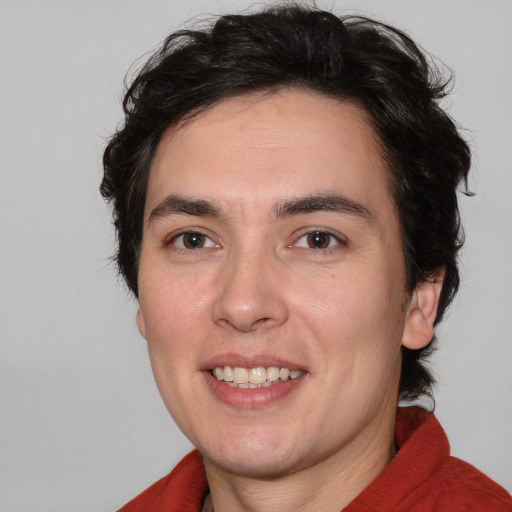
[[205, 239], [323, 233], [182, 234]]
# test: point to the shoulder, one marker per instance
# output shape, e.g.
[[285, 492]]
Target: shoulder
[[465, 488], [429, 478]]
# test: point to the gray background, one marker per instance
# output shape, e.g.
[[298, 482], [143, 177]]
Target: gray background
[[81, 424]]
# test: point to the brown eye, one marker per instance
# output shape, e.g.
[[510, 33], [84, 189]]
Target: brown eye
[[192, 240], [318, 240]]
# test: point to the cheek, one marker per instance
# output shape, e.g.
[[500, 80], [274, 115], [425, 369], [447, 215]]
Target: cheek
[[174, 317], [356, 317], [172, 305], [359, 298], [174, 311]]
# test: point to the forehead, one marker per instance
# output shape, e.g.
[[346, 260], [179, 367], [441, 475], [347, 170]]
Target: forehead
[[256, 150]]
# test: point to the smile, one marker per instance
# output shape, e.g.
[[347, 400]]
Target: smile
[[258, 377]]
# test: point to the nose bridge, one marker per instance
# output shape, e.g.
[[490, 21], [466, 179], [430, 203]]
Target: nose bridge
[[249, 294]]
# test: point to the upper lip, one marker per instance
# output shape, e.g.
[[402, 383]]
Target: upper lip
[[253, 361]]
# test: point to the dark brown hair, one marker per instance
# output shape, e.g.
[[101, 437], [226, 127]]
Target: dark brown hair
[[348, 58]]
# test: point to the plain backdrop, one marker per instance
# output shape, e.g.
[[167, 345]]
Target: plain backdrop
[[82, 426]]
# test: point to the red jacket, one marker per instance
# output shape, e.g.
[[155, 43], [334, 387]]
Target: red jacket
[[421, 478]]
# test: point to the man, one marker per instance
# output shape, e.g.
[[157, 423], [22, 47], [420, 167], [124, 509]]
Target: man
[[284, 191]]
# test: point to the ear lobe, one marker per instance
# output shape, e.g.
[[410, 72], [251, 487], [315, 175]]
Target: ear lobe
[[140, 323], [421, 313]]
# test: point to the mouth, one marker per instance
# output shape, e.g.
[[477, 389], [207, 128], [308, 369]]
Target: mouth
[[252, 382], [252, 378]]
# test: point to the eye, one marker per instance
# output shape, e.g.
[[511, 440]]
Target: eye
[[192, 240], [318, 240]]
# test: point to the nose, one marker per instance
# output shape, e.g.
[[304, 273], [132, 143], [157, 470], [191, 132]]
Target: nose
[[251, 293]]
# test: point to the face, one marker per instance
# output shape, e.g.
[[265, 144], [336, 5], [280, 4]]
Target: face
[[271, 244]]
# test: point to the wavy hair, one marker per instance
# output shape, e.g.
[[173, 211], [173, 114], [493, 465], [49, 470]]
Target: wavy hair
[[348, 58]]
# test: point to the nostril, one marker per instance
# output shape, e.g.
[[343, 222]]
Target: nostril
[[247, 305]]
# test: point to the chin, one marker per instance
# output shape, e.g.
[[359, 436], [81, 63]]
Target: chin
[[266, 468], [254, 458]]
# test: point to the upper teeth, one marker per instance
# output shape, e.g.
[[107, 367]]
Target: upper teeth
[[258, 376]]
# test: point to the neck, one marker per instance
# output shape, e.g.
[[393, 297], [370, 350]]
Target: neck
[[328, 486]]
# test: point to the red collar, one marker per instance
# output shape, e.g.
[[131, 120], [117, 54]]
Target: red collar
[[422, 449]]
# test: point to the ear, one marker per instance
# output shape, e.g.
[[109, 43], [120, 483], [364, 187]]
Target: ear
[[139, 318], [421, 313]]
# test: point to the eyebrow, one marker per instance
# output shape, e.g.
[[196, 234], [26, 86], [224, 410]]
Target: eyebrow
[[180, 205], [174, 204], [324, 202]]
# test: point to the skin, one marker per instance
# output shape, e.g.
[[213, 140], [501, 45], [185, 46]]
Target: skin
[[256, 288]]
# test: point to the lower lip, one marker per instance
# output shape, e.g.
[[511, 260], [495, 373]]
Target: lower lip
[[247, 398]]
